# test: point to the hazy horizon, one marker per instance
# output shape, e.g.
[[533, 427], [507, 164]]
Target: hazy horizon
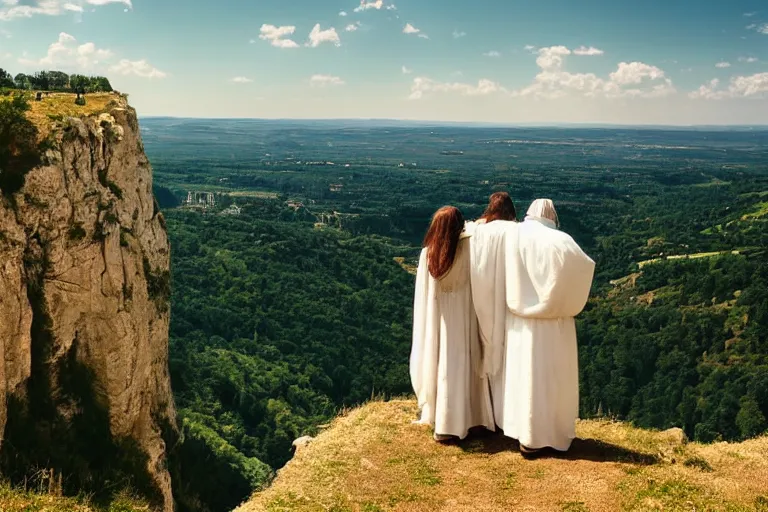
[[431, 122]]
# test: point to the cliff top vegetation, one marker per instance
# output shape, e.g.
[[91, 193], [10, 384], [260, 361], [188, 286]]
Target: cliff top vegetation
[[48, 500], [56, 106], [373, 459]]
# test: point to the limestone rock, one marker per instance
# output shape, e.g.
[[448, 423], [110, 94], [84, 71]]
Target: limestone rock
[[675, 436], [302, 442], [84, 292]]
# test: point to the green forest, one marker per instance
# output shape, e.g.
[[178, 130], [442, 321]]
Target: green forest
[[55, 81], [298, 304], [276, 326]]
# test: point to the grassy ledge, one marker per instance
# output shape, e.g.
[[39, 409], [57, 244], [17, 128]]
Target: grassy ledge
[[16, 500], [373, 459], [59, 105]]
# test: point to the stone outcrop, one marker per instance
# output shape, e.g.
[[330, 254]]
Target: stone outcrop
[[84, 313]]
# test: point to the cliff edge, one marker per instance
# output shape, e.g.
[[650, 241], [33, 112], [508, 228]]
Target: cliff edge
[[84, 306], [373, 459]]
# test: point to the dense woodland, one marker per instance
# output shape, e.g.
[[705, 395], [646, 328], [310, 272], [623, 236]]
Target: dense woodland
[[55, 81], [301, 304]]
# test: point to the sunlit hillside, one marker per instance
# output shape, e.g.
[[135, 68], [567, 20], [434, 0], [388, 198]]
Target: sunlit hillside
[[373, 459]]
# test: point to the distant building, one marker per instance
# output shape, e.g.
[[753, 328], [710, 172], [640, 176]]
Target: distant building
[[201, 199], [232, 210], [336, 187]]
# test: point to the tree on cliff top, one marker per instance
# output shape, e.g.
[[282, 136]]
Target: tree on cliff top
[[6, 80], [18, 144]]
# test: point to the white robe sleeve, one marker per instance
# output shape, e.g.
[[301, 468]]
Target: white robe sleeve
[[548, 274], [426, 331]]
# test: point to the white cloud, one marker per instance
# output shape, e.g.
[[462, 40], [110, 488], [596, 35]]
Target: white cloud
[[66, 53], [635, 73], [241, 80], [12, 9], [633, 79], [529, 48], [343, 13], [551, 57], [422, 86], [492, 53], [591, 51], [722, 65], [752, 86], [763, 28], [423, 36], [276, 36], [252, 41], [458, 35], [352, 27], [410, 29], [140, 68], [127, 3], [748, 60], [407, 71], [318, 37], [706, 91], [324, 80], [89, 51], [749, 14], [376, 4], [5, 34]]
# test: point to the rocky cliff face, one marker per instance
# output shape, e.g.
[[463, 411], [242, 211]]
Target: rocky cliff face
[[84, 291]]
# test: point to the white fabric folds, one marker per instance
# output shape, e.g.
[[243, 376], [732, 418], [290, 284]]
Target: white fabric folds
[[529, 281], [446, 353]]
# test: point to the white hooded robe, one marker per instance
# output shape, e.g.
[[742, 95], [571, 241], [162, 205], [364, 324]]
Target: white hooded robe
[[534, 374]]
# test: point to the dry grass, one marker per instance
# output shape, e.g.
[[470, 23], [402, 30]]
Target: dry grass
[[411, 269], [14, 500], [760, 211], [259, 194], [373, 459], [696, 256], [57, 106]]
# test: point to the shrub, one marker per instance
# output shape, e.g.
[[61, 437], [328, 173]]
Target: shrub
[[18, 144], [76, 232]]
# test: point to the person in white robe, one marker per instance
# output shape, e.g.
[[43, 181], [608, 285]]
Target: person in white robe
[[446, 355], [488, 274], [534, 365]]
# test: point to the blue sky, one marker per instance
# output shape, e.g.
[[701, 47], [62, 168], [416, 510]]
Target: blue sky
[[650, 62]]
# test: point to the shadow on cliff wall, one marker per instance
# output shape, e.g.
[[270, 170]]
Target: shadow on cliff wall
[[61, 423], [19, 150]]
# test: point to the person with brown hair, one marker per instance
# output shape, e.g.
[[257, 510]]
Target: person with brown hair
[[500, 207], [446, 359]]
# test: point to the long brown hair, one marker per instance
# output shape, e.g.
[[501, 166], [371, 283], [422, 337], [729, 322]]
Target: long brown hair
[[442, 240], [500, 207]]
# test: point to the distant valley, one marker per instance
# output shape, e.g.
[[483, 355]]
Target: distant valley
[[295, 302]]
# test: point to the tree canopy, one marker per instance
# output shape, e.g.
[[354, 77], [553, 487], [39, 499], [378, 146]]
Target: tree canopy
[[56, 81]]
